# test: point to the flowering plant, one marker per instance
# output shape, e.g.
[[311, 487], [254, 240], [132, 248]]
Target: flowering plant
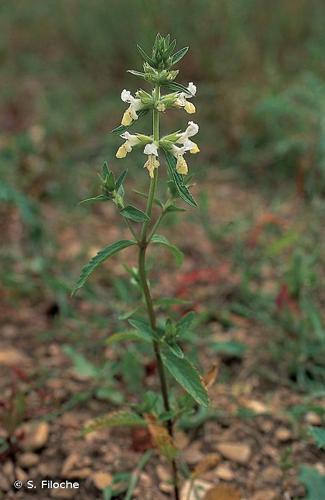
[[165, 334]]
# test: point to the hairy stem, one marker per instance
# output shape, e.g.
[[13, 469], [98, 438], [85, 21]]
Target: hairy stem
[[143, 244]]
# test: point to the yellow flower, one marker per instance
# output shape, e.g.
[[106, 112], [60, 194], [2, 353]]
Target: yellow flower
[[181, 165], [195, 148], [121, 152], [151, 164], [189, 107], [127, 118]]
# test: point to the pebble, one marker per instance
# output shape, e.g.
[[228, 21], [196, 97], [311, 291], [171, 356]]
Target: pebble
[[4, 483], [312, 418], [36, 435], [102, 479], [236, 452], [225, 473], [271, 475], [265, 495], [282, 434], [28, 460]]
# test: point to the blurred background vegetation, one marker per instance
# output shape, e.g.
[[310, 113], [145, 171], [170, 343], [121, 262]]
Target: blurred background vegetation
[[259, 67], [254, 248]]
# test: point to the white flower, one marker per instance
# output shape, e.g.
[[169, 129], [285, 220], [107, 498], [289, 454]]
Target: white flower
[[135, 105], [151, 149], [182, 101], [183, 138], [186, 145], [131, 140]]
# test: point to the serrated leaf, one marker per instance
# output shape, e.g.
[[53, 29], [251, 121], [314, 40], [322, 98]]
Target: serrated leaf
[[318, 434], [122, 418], [161, 437], [129, 335], [134, 214], [178, 180], [187, 376], [100, 197], [179, 55], [178, 254], [100, 257], [313, 481]]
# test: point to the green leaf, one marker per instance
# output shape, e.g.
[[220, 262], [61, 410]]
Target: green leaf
[[236, 349], [161, 240], [100, 257], [187, 376], [81, 364], [100, 197], [173, 208], [175, 349], [184, 324], [177, 87], [121, 179], [178, 180], [129, 335], [137, 73], [142, 326], [144, 55], [179, 55], [313, 481], [134, 214], [120, 418], [318, 434]]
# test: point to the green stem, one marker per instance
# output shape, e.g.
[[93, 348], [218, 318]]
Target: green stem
[[143, 244]]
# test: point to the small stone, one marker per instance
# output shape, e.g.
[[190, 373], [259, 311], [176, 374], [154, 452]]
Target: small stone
[[4, 483], [70, 463], [222, 492], [166, 487], [282, 434], [28, 460], [82, 473], [312, 418], [225, 473], [195, 490], [256, 406], [63, 493], [271, 475], [236, 452], [163, 473], [49, 469], [102, 480], [193, 454], [265, 495], [8, 471], [181, 440], [36, 435], [20, 474]]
